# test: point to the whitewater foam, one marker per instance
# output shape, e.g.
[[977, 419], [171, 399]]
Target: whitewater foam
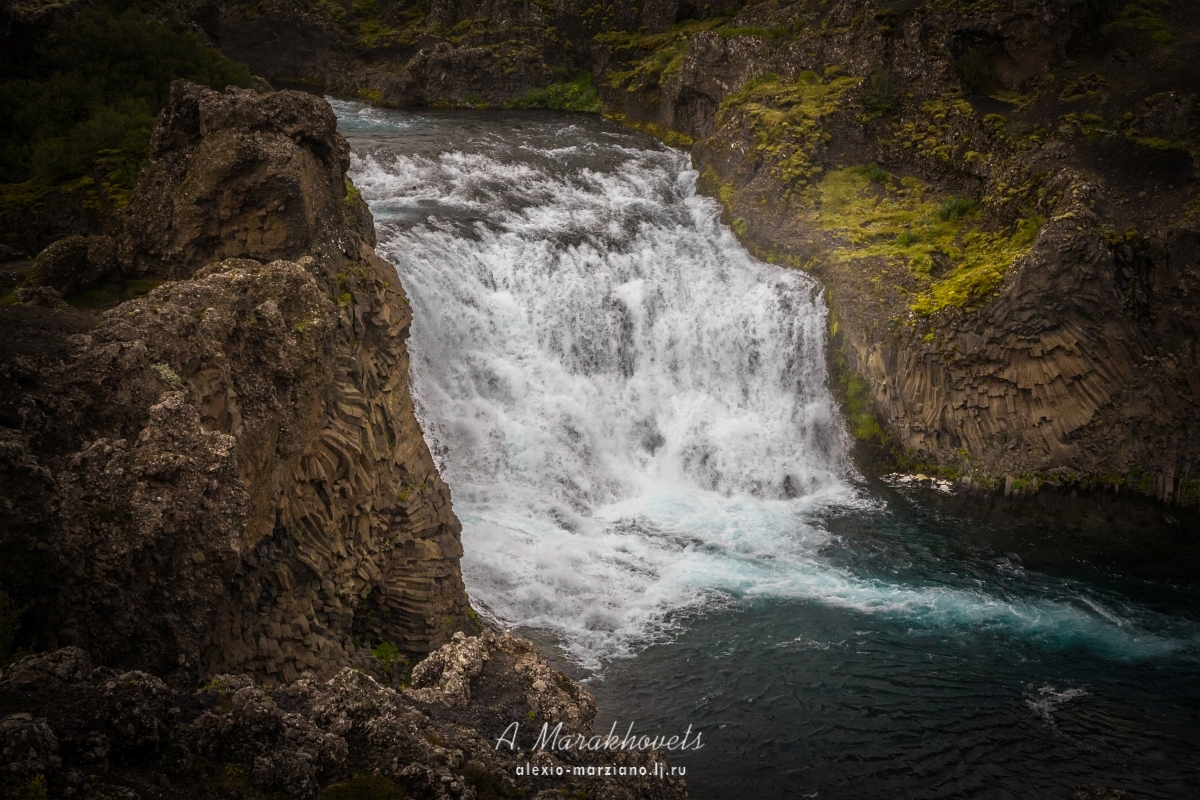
[[630, 409]]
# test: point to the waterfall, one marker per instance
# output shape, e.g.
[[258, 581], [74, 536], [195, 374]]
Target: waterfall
[[629, 408]]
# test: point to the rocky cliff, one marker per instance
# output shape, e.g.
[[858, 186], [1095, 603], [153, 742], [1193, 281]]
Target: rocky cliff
[[225, 473], [220, 480], [1001, 201], [80, 730]]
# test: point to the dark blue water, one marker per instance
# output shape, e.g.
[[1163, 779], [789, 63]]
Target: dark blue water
[[655, 484], [806, 700]]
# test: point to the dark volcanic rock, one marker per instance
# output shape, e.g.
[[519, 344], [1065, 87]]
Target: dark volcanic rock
[[104, 732], [226, 474]]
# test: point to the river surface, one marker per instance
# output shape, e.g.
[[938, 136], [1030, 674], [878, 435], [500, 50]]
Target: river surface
[[654, 483]]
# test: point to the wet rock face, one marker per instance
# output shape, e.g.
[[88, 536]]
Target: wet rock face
[[226, 473], [103, 731]]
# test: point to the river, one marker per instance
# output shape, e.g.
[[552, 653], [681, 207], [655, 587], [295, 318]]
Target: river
[[654, 483]]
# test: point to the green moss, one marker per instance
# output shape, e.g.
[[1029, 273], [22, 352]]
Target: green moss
[[937, 135], [168, 375], [363, 787], [672, 137], [953, 260], [1085, 124], [860, 409], [574, 95], [649, 60], [1144, 15], [1080, 88], [785, 118]]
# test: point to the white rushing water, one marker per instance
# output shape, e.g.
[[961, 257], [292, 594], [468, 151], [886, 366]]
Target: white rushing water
[[630, 410]]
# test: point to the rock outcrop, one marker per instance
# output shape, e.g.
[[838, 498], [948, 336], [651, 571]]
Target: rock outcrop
[[226, 474], [222, 480], [70, 728], [1001, 202]]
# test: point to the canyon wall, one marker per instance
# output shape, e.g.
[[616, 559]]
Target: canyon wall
[[1000, 198], [225, 474]]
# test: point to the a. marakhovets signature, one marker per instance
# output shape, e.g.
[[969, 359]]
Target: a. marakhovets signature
[[554, 739]]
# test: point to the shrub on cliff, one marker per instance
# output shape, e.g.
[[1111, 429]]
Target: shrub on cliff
[[10, 623], [81, 91]]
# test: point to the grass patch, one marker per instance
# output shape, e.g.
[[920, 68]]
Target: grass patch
[[955, 262], [785, 118], [364, 787], [1144, 15], [574, 95]]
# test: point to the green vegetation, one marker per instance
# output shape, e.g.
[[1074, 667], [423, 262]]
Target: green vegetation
[[860, 408], [879, 94], [111, 294], [672, 137], [363, 787], [574, 95], [1144, 15], [10, 623], [353, 193], [34, 789], [938, 135], [389, 656], [952, 259], [663, 54], [1082, 87], [785, 119], [82, 97], [167, 375]]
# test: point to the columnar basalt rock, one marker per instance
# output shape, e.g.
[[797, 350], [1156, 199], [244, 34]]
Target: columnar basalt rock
[[226, 474], [1074, 363]]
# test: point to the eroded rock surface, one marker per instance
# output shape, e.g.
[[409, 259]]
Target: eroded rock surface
[[100, 732], [226, 474]]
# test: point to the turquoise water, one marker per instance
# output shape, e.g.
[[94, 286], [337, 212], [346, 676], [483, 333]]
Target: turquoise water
[[654, 482]]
